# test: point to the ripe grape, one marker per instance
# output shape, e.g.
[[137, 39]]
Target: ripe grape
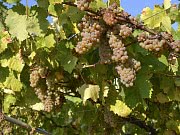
[[83, 4], [118, 48], [151, 43], [127, 75], [142, 37], [48, 104], [136, 65], [176, 45], [105, 52], [34, 78], [125, 31], [91, 32]]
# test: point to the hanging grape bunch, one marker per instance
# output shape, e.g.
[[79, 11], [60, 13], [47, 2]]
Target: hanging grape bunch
[[45, 88], [118, 48], [118, 26], [105, 52], [91, 32], [150, 43], [83, 4]]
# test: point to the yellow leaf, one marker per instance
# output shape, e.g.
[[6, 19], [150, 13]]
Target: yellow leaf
[[167, 4], [166, 22], [153, 18], [120, 109], [89, 91]]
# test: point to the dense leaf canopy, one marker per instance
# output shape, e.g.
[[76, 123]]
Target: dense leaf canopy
[[94, 69]]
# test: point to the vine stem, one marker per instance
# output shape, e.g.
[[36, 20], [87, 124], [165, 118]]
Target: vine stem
[[122, 18], [25, 125], [27, 12]]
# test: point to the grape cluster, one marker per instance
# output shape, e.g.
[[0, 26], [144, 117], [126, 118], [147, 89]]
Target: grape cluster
[[83, 4], [45, 88], [118, 48], [176, 45], [127, 75], [104, 52], [48, 104], [149, 43], [142, 37], [125, 31], [135, 64], [109, 15], [91, 32], [34, 78]]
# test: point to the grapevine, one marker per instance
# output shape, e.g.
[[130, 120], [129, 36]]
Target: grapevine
[[94, 61]]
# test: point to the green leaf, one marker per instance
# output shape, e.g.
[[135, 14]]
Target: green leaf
[[153, 18], [43, 3], [13, 83], [75, 14], [15, 63], [69, 62], [89, 91], [132, 97], [33, 27], [166, 84], [166, 22], [4, 72], [65, 57], [162, 98], [8, 101], [163, 59], [177, 82], [144, 85], [167, 4], [121, 109], [110, 2], [55, 1], [153, 63], [96, 4], [39, 16], [18, 27], [55, 10], [12, 1], [46, 42]]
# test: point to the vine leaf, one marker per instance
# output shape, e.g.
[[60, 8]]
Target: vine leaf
[[65, 57], [12, 1], [163, 59], [154, 18], [120, 108], [110, 2], [13, 83], [144, 86], [8, 101], [46, 42], [167, 4], [166, 22], [95, 5], [4, 72], [38, 106], [162, 98], [55, 1], [33, 27], [15, 64], [18, 27], [89, 92]]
